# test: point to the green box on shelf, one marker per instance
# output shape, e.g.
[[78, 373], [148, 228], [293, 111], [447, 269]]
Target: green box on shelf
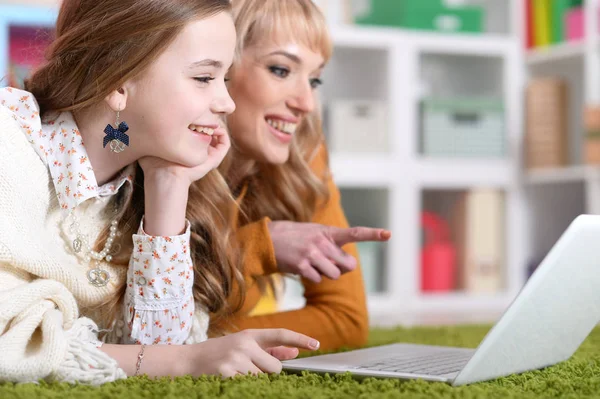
[[392, 12], [463, 127], [429, 15], [465, 19]]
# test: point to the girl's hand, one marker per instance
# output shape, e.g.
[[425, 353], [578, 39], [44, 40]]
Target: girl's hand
[[157, 168], [166, 187], [248, 351], [311, 250]]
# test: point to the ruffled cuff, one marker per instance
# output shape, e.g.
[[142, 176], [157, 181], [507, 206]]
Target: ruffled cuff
[[165, 326]]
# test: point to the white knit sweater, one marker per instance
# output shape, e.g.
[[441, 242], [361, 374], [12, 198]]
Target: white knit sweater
[[42, 283]]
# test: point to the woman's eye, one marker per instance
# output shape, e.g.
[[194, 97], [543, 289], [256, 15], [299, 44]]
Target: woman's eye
[[279, 71], [315, 83], [204, 79]]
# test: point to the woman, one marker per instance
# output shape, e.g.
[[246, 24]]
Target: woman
[[97, 161], [291, 220]]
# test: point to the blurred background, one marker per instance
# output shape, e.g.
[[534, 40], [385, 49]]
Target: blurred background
[[470, 128]]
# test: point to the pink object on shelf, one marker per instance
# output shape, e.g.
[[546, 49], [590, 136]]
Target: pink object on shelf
[[575, 24]]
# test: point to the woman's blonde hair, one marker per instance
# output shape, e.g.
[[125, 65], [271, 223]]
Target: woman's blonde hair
[[100, 45], [290, 191]]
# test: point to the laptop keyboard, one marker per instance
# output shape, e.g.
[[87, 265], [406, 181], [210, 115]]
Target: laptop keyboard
[[425, 364]]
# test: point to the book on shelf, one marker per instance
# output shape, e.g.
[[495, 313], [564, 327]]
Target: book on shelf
[[558, 13], [479, 235], [541, 22], [529, 35], [550, 22]]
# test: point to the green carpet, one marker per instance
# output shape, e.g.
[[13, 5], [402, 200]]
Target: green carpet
[[579, 377]]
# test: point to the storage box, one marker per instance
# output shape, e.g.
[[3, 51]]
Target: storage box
[[393, 12], [462, 127], [358, 126], [546, 140], [430, 15]]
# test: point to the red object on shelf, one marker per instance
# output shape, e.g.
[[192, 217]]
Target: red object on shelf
[[438, 255]]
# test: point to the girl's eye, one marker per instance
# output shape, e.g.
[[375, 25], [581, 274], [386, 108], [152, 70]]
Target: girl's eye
[[279, 71], [204, 79]]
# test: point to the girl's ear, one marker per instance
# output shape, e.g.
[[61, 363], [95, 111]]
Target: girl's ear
[[117, 99]]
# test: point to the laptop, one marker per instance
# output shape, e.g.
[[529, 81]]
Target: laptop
[[544, 325]]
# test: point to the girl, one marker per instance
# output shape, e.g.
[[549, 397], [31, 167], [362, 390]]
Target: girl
[[98, 159]]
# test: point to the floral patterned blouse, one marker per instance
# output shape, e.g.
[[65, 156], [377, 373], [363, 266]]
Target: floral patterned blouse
[[159, 305]]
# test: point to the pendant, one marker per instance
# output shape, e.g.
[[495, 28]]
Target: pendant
[[117, 146], [77, 245], [98, 277]]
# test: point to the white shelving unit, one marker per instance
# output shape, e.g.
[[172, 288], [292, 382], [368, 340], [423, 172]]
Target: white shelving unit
[[555, 196], [390, 65]]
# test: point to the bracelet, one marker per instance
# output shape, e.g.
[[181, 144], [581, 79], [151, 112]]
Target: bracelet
[[139, 360]]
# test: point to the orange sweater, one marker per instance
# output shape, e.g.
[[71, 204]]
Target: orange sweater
[[335, 312]]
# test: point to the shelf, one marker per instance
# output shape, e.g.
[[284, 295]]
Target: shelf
[[461, 301], [381, 37], [463, 173], [352, 170], [568, 174], [474, 45], [384, 307], [440, 309], [381, 303], [558, 52]]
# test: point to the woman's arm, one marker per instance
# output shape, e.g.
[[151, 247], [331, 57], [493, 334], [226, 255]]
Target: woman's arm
[[335, 312]]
